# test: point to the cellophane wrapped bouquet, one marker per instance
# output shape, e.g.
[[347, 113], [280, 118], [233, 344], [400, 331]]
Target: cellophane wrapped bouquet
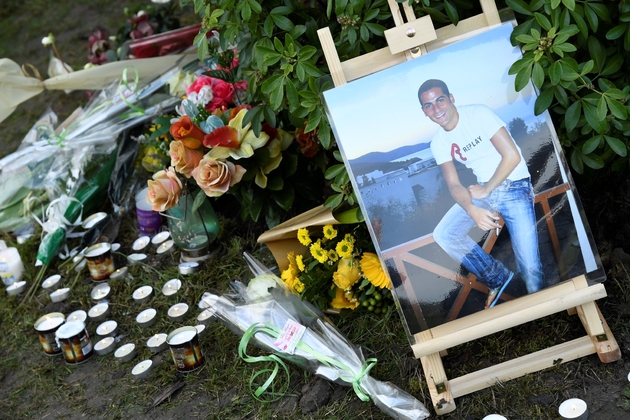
[[292, 329]]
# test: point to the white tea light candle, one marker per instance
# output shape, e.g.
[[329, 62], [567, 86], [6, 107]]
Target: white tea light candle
[[125, 353], [171, 287], [574, 409], [119, 274], [60, 295], [92, 220], [115, 247], [140, 243], [16, 288], [166, 247], [142, 294], [206, 316], [52, 283], [105, 346], [142, 369], [11, 266], [101, 291], [178, 311], [201, 329], [157, 343], [107, 328], [494, 417], [79, 315], [147, 317], [160, 237], [188, 267], [99, 312], [136, 258]]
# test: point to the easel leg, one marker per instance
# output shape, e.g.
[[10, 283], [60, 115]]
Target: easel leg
[[434, 374], [602, 337]]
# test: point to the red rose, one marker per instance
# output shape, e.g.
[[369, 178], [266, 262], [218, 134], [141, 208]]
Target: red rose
[[222, 95], [308, 142]]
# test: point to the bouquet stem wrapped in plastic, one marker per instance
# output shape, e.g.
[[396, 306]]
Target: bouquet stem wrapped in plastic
[[294, 330]]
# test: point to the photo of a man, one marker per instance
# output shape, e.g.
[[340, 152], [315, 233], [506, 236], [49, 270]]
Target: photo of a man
[[464, 188], [476, 137]]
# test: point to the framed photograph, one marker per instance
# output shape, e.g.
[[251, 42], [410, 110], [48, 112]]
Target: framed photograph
[[465, 191]]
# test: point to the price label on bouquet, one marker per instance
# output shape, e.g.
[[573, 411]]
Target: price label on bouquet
[[290, 336]]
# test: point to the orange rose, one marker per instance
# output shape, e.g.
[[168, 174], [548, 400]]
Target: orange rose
[[187, 132], [215, 176], [184, 159], [164, 190]]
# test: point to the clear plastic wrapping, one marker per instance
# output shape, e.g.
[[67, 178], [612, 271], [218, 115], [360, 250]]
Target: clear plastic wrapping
[[261, 312]]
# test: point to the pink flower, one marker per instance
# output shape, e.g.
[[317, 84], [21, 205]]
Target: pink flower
[[222, 92], [216, 176], [97, 46], [164, 190]]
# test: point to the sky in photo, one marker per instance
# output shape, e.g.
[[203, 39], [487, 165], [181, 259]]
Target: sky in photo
[[381, 112]]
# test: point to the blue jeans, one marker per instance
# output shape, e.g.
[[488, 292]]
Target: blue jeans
[[514, 201]]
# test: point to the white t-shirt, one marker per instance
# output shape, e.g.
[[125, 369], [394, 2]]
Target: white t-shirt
[[469, 143]]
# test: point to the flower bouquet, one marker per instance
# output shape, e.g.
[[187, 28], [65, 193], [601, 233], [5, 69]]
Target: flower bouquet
[[265, 312], [339, 271], [217, 142]]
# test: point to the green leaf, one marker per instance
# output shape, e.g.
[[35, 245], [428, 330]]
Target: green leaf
[[613, 65], [275, 98], [616, 108], [588, 66], [519, 6], [251, 114], [592, 144], [292, 94], [522, 78], [375, 28], [324, 133], [198, 201], [271, 84], [542, 21], [590, 113], [600, 9], [306, 52], [352, 35], [596, 51], [255, 6], [561, 95], [334, 170], [282, 22], [275, 182], [543, 101], [576, 161], [581, 24], [555, 73], [284, 198], [268, 27], [602, 108], [593, 161], [555, 4], [591, 17], [313, 122], [333, 201], [572, 116], [270, 116], [617, 32], [281, 10], [618, 146], [451, 12], [538, 76], [365, 33], [570, 4]]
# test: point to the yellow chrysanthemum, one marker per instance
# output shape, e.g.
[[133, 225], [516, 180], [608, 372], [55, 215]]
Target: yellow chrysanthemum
[[344, 248], [292, 272], [340, 301], [333, 256], [349, 238], [347, 274], [330, 232], [373, 270], [300, 262], [288, 278], [298, 286], [304, 237], [318, 252]]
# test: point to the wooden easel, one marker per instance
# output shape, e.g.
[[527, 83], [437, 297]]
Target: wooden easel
[[406, 41]]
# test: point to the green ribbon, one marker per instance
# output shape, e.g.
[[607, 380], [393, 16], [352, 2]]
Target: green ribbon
[[124, 82], [273, 331]]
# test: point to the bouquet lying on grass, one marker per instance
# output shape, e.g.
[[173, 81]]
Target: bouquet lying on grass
[[222, 144], [339, 271], [294, 330]]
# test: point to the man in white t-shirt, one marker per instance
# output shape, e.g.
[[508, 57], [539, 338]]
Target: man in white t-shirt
[[476, 137]]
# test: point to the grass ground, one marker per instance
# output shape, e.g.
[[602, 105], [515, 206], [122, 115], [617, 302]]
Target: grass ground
[[36, 386]]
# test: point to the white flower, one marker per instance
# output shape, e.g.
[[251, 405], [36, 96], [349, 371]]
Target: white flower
[[48, 40], [202, 97], [178, 84], [89, 66]]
